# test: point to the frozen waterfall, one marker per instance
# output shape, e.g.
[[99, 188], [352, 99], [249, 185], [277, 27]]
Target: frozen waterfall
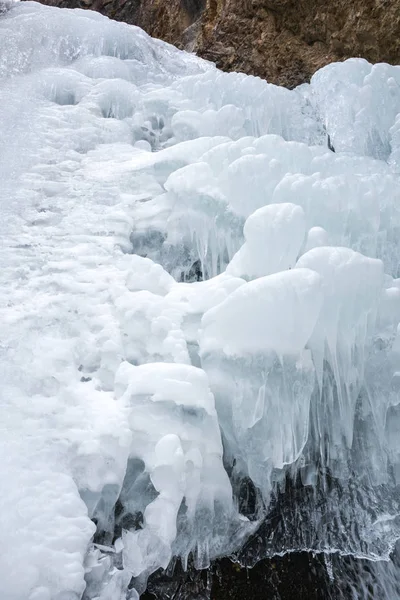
[[198, 293]]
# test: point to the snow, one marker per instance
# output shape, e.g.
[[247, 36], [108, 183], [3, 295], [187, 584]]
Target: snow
[[194, 290]]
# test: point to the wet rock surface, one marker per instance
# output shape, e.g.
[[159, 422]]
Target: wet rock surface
[[300, 576]]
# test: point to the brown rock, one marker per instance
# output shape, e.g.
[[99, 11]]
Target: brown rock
[[283, 41]]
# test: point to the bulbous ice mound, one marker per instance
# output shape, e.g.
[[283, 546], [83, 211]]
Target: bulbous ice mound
[[197, 293]]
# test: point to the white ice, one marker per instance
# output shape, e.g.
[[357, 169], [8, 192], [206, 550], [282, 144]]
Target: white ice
[[194, 289]]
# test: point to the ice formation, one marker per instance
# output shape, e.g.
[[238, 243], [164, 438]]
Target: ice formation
[[196, 292]]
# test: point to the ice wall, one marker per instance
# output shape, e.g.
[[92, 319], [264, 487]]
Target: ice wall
[[196, 292]]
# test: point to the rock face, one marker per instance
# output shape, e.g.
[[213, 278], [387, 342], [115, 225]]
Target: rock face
[[283, 41], [299, 576]]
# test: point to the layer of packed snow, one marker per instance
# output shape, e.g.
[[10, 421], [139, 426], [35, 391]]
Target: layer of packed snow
[[195, 291]]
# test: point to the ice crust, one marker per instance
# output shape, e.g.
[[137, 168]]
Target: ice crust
[[196, 291]]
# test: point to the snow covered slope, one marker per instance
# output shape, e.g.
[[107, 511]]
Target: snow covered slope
[[194, 291]]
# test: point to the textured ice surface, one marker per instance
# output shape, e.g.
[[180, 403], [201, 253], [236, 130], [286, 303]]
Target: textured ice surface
[[195, 292]]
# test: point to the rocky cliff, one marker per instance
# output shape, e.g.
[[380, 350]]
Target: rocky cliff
[[283, 41]]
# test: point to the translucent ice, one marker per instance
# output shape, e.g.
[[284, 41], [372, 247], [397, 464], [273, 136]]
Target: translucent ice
[[199, 292], [352, 285], [262, 377], [181, 450]]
